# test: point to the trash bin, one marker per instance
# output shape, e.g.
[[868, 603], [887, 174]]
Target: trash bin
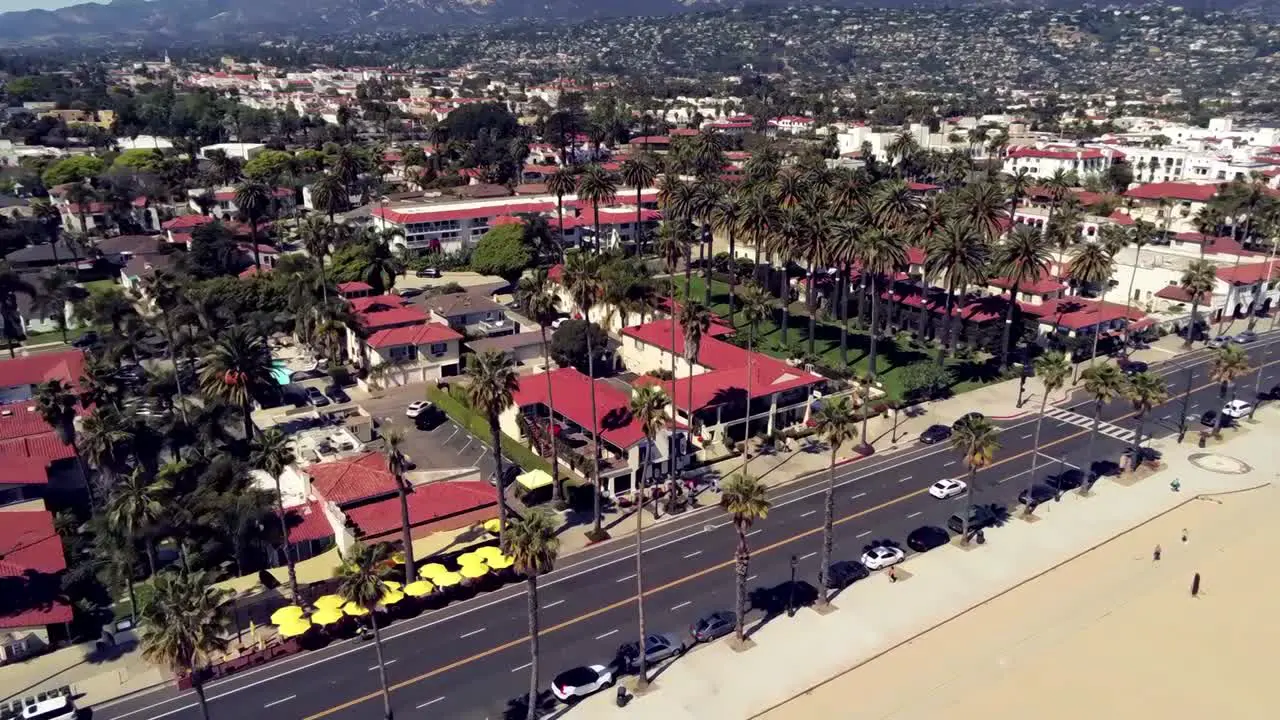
[[622, 698]]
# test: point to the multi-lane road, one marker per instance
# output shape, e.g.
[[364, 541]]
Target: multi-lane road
[[468, 659]]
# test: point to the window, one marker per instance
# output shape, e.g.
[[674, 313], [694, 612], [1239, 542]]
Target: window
[[439, 348]]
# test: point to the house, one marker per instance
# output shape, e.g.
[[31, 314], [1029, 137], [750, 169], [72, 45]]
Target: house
[[139, 267], [35, 613], [398, 343], [471, 314], [46, 255], [525, 348], [791, 123], [178, 230], [1170, 206], [1043, 162], [354, 289], [241, 151], [43, 317], [224, 207], [620, 439]]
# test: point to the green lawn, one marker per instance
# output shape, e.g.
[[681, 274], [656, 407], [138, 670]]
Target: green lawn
[[97, 286], [891, 355], [55, 336]]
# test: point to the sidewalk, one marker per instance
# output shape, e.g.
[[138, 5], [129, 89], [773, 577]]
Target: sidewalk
[[793, 656], [93, 679]]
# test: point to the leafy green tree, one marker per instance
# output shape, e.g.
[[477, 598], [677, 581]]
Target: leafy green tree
[[574, 342], [76, 168], [214, 252], [269, 166], [139, 160], [501, 251], [925, 380]]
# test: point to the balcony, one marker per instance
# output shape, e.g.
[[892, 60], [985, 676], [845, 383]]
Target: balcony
[[501, 326]]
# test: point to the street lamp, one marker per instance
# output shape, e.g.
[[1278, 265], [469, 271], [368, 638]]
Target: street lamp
[[791, 590], [1186, 400]]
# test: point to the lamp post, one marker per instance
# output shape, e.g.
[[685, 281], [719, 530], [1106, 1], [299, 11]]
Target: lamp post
[[791, 590], [1186, 400]]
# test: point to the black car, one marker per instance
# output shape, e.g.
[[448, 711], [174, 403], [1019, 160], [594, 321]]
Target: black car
[[710, 627], [979, 517], [428, 273], [927, 537], [1067, 480], [1133, 367], [337, 394], [316, 398], [410, 292], [1210, 418], [1038, 494], [844, 573], [935, 434], [1273, 393], [967, 417]]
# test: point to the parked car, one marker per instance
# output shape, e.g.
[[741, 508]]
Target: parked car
[[1133, 367], [410, 292], [980, 517], [1209, 418], [416, 408], [844, 573], [935, 434], [1037, 494], [580, 682], [428, 273], [657, 647], [1245, 337], [1237, 409], [927, 537], [337, 394], [59, 707], [1219, 341], [315, 397], [717, 624], [1066, 480], [882, 556], [944, 489], [967, 417]]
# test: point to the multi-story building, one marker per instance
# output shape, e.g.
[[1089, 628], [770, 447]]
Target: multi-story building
[[398, 344], [1044, 161]]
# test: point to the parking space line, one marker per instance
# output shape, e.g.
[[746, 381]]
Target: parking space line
[[611, 632], [624, 579], [429, 702], [686, 603], [902, 480], [918, 513], [473, 632], [551, 605], [855, 497], [864, 534], [522, 667], [375, 667], [281, 700], [811, 512], [695, 553], [806, 557]]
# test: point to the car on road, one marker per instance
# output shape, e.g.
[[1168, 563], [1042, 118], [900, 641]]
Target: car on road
[[1209, 418], [657, 647], [410, 292], [712, 626], [944, 489], [1245, 337], [882, 556], [1273, 393], [1037, 494], [927, 537], [844, 573], [1237, 409], [1133, 367], [966, 418], [337, 394], [935, 434], [580, 682], [1066, 480], [980, 517], [1219, 341], [428, 273], [59, 707], [315, 397], [417, 408]]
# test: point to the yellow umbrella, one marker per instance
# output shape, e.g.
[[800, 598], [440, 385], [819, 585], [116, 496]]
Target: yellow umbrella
[[391, 597], [432, 569], [285, 614], [502, 562], [446, 579], [488, 552], [355, 610], [392, 584], [419, 588], [469, 559], [327, 616], [473, 571], [494, 526], [329, 601], [397, 557], [294, 628]]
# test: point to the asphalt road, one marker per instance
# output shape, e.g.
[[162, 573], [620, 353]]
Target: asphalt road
[[466, 660]]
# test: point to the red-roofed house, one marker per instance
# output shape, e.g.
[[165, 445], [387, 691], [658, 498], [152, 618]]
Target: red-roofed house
[[224, 202], [34, 462], [31, 564], [1043, 162], [399, 344], [623, 449], [1185, 201], [355, 289]]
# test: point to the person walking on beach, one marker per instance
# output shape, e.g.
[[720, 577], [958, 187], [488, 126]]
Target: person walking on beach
[[1155, 554]]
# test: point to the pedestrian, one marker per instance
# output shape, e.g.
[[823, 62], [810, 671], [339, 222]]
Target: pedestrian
[[1155, 554], [1184, 534], [1195, 585], [893, 574]]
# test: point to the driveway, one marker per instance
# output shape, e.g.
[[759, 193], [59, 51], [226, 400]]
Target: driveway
[[437, 443]]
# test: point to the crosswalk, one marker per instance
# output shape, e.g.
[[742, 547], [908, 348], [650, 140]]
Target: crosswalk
[[1105, 428]]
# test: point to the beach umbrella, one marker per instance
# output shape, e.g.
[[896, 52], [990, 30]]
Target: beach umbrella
[[432, 569], [397, 557], [419, 588], [447, 579], [392, 584], [286, 613], [327, 616], [391, 597], [294, 628], [329, 601], [488, 552], [355, 610], [494, 526], [502, 562], [469, 558], [473, 571]]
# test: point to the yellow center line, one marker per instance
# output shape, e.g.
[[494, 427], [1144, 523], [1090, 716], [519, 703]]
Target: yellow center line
[[701, 573]]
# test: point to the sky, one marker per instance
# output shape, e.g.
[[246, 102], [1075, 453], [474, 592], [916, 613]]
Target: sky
[[7, 5]]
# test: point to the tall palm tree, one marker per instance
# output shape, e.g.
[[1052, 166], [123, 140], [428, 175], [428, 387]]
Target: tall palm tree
[[1145, 390], [836, 425], [533, 545], [493, 383], [272, 454], [560, 183], [1198, 281], [726, 218], [397, 465], [537, 295], [695, 322], [597, 187], [760, 218], [253, 199], [648, 408], [1059, 185], [1022, 259], [1092, 264], [960, 254], [975, 438], [11, 286], [746, 500], [583, 279], [185, 622], [57, 290], [755, 308], [983, 205], [639, 172], [706, 195], [1139, 235], [880, 253], [237, 370], [103, 438], [361, 581], [1053, 369], [383, 267], [1016, 185], [329, 195], [1229, 362], [135, 508], [316, 236], [782, 247], [1104, 383]]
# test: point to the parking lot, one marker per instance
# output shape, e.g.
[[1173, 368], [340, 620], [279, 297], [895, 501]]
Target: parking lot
[[433, 442]]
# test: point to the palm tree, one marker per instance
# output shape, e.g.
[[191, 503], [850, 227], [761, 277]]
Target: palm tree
[[597, 187], [746, 500], [639, 172], [1229, 362], [360, 581], [493, 383], [1091, 264], [1140, 235], [237, 370], [648, 408], [560, 183], [835, 423], [273, 454], [726, 217], [57, 289], [185, 620], [1022, 259], [1198, 281], [1017, 184], [695, 322], [1145, 390], [759, 222], [316, 236], [583, 280], [329, 195], [533, 545], [1052, 368], [983, 206], [755, 308], [960, 253], [1104, 383], [383, 267], [538, 297], [1058, 185], [11, 286], [103, 434], [782, 246], [397, 465], [135, 508], [253, 200], [880, 254], [975, 438]]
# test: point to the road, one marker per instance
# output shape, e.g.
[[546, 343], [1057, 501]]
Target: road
[[466, 660]]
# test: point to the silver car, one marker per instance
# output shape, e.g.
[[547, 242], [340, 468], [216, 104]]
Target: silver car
[[656, 649]]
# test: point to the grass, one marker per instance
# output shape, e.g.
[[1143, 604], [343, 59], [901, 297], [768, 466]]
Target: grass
[[460, 412], [99, 286], [893, 355], [55, 336]]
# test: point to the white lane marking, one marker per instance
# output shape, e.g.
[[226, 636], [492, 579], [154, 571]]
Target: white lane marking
[[611, 632], [624, 579], [855, 497], [281, 700], [806, 557], [756, 531], [375, 667], [429, 702], [686, 603], [522, 667], [949, 464], [695, 553], [811, 512], [1027, 436], [915, 514], [1057, 460], [864, 534], [551, 605], [753, 577], [473, 632], [905, 479]]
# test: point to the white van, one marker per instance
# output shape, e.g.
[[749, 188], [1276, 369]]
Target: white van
[[55, 708]]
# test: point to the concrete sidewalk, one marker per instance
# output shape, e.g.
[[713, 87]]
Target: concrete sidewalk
[[875, 616]]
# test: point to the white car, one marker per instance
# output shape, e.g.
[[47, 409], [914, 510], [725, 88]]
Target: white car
[[882, 557], [580, 682], [417, 408], [1237, 409], [944, 489]]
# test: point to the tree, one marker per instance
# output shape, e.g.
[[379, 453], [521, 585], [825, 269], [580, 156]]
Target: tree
[[1229, 362], [382, 268], [214, 252], [237, 370], [648, 408], [1022, 259], [360, 581], [11, 286], [583, 280], [1145, 390], [537, 295], [836, 425], [1092, 264], [745, 499], [1140, 235], [76, 168], [184, 622], [726, 217], [533, 545], [975, 438], [493, 383], [1104, 383], [1052, 368], [597, 187], [272, 454], [501, 251], [960, 254], [639, 172], [135, 507], [925, 380], [253, 200], [1198, 281], [755, 308], [329, 195], [880, 253], [560, 183], [695, 322], [397, 464], [575, 344]]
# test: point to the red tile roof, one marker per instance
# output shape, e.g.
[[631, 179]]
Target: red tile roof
[[408, 315], [230, 195], [307, 522], [658, 333], [1076, 313], [354, 286], [432, 504], [922, 187], [186, 222], [651, 140], [1223, 244], [1173, 190], [1120, 218], [1056, 153], [412, 335], [916, 256], [1043, 285], [376, 303], [1249, 274], [350, 479], [1177, 294], [31, 556], [571, 391], [66, 366]]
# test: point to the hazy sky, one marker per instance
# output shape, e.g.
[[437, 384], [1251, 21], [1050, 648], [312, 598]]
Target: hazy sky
[[7, 5]]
